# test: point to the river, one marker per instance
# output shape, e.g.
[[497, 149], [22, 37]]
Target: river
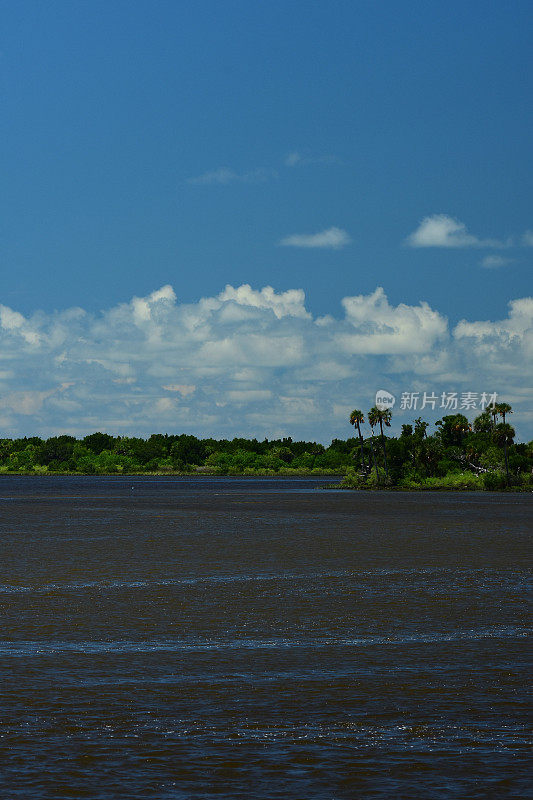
[[197, 638]]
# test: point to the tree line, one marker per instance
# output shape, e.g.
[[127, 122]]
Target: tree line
[[101, 453], [456, 454], [481, 455]]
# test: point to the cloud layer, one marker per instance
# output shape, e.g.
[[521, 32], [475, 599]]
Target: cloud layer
[[247, 362], [225, 175], [331, 238]]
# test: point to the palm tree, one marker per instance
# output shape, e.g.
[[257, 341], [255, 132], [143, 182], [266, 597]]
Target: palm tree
[[356, 418], [381, 416], [493, 410], [372, 448], [504, 435], [502, 409]]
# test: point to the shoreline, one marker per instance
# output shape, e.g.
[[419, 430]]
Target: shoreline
[[169, 475], [284, 477]]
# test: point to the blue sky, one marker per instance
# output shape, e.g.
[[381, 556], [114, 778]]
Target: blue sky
[[329, 147]]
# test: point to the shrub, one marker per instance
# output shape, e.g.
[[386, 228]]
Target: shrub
[[494, 481], [355, 480], [455, 481], [410, 482], [445, 466], [86, 466]]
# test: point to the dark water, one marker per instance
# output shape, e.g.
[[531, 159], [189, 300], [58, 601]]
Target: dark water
[[196, 638]]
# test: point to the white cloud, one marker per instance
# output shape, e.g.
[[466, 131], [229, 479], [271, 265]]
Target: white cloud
[[332, 238], [289, 303], [184, 389], [516, 329], [245, 362], [494, 261], [297, 159], [503, 349], [527, 239], [144, 306], [380, 328], [29, 402], [440, 230], [13, 322], [225, 175], [165, 405]]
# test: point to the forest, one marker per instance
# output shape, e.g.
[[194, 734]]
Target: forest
[[455, 455]]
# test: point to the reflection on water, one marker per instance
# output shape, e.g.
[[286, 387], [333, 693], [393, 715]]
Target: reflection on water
[[199, 638]]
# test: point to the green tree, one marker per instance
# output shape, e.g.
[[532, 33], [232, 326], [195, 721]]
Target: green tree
[[56, 449], [188, 449], [406, 437], [483, 423], [24, 460], [356, 419], [382, 417], [371, 422], [419, 437], [99, 441], [453, 429], [6, 447], [493, 411], [504, 436], [503, 409], [421, 427]]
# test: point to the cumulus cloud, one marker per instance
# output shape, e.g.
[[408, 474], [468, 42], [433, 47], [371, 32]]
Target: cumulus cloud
[[495, 262], [289, 303], [245, 362], [505, 349], [225, 175], [13, 321], [379, 328], [440, 230], [517, 329], [331, 238]]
